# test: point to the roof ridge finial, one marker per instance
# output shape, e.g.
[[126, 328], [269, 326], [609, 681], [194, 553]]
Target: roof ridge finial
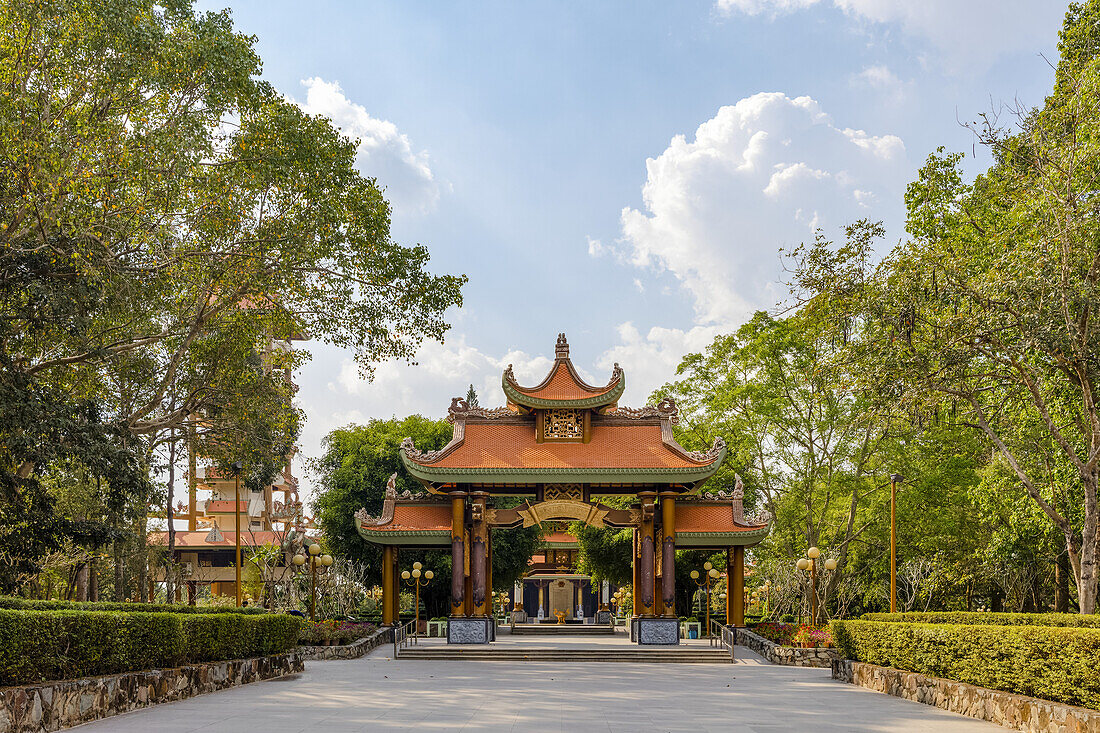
[[561, 349]]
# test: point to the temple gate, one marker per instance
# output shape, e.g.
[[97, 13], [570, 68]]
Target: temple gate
[[563, 445]]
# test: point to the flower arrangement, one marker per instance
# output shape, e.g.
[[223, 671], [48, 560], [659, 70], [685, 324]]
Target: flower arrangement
[[813, 636], [787, 634], [779, 632]]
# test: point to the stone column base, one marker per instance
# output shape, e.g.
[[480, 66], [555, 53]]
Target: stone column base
[[655, 631], [470, 630]]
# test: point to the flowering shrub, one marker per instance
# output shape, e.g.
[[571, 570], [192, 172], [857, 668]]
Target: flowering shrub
[[778, 631], [813, 636], [794, 635]]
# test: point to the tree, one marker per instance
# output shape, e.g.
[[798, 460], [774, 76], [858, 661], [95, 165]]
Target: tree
[[353, 471], [986, 311], [166, 217], [808, 444], [471, 397]]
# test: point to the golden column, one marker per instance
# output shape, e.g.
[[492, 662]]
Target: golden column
[[647, 553], [479, 552], [489, 567], [735, 586], [636, 567], [668, 554], [458, 555], [388, 617]]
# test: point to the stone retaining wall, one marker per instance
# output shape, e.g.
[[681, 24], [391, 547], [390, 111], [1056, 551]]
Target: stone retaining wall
[[51, 706], [1003, 708], [791, 656], [347, 651]]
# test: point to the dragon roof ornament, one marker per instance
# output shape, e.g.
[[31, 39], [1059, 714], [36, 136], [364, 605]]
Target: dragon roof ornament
[[460, 408], [758, 518], [666, 408], [410, 450], [391, 497]]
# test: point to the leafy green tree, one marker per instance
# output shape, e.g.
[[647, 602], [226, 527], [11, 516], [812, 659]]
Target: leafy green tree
[[985, 312], [353, 471], [166, 217]]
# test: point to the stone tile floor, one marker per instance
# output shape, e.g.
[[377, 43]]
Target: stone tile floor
[[378, 694]]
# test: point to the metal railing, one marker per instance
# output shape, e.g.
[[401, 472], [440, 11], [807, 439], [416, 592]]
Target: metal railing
[[404, 636], [722, 635]]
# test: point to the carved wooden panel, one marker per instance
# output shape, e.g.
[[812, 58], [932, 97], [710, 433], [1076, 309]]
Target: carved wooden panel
[[563, 425], [552, 492]]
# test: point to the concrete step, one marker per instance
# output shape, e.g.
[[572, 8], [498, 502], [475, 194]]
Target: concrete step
[[636, 655]]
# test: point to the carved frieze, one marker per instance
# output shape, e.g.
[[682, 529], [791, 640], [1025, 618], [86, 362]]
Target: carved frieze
[[574, 492], [563, 424]]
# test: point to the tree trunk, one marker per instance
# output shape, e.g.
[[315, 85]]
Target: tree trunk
[[170, 566], [82, 582], [1061, 583], [1086, 586], [120, 578], [93, 580]]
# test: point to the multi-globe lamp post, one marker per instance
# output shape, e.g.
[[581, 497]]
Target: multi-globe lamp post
[[617, 598], [710, 574], [317, 561], [810, 563], [763, 594], [414, 580]]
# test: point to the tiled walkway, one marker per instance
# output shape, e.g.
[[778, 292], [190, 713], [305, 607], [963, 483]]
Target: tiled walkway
[[378, 694]]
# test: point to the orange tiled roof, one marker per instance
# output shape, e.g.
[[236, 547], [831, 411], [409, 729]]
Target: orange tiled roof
[[559, 537], [707, 518], [218, 506], [419, 517], [504, 445], [563, 385]]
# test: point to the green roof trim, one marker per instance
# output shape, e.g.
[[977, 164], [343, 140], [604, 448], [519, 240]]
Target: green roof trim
[[706, 539], [515, 474], [606, 398], [560, 545], [405, 536]]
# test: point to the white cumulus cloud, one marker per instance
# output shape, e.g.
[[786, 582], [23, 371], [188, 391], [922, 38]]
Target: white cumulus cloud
[[385, 153], [963, 31], [760, 175]]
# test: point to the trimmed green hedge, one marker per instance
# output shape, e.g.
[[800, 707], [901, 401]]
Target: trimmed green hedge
[[29, 604], [1054, 663], [987, 618], [50, 645]]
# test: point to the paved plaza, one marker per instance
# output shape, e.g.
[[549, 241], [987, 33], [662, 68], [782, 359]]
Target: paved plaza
[[378, 694]]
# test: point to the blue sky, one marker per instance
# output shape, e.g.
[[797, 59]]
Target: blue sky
[[628, 172]]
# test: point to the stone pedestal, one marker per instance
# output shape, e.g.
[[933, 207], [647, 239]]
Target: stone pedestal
[[603, 617], [470, 630], [656, 631]]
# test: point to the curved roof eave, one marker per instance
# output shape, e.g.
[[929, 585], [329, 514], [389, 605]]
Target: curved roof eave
[[513, 393], [567, 474]]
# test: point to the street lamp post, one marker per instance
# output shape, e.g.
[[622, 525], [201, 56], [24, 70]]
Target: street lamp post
[[413, 580], [316, 561], [617, 598], [895, 479], [810, 563], [710, 573], [237, 467]]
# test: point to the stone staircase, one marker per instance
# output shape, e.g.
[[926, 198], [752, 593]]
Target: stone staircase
[[633, 654]]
